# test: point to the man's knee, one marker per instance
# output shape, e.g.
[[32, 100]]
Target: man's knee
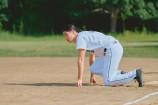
[[111, 82], [108, 81]]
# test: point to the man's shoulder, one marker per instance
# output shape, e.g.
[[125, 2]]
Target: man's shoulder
[[82, 32]]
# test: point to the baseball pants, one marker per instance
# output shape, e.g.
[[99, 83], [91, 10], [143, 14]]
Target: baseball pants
[[107, 67]]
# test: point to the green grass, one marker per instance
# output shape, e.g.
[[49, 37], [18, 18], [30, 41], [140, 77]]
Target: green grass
[[135, 44]]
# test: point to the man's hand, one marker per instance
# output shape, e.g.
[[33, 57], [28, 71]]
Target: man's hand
[[78, 83], [92, 80]]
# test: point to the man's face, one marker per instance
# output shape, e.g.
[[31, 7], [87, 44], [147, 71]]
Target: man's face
[[69, 36]]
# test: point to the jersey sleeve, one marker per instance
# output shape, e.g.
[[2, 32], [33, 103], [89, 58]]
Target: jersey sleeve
[[80, 42]]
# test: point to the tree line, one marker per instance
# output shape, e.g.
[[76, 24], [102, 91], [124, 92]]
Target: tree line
[[48, 16]]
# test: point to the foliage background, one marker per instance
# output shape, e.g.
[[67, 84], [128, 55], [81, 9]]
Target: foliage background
[[39, 17]]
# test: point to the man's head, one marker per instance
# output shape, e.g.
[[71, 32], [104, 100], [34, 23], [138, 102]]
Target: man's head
[[70, 33]]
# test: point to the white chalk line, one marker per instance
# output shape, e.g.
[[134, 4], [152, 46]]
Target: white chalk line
[[141, 98]]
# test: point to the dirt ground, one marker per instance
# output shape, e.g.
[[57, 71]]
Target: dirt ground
[[51, 81]]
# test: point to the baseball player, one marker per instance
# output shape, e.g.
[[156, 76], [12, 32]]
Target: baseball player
[[109, 52]]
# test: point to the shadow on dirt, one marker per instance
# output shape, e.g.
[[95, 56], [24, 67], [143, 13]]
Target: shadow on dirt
[[151, 73], [47, 84]]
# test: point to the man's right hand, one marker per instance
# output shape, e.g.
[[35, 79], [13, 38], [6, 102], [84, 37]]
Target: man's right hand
[[78, 83]]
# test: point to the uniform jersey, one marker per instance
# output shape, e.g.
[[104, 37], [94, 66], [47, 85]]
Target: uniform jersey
[[93, 42], [106, 65]]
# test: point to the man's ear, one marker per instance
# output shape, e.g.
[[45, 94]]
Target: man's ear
[[63, 32], [73, 31]]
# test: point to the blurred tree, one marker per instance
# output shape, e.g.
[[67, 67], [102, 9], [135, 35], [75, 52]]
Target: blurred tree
[[3, 4], [36, 16], [78, 8], [143, 9], [137, 8]]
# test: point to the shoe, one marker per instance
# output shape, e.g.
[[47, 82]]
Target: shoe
[[122, 72], [139, 77]]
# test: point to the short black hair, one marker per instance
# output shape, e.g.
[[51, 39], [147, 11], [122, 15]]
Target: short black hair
[[71, 27]]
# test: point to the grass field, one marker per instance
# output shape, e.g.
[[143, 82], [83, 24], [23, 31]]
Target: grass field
[[135, 44]]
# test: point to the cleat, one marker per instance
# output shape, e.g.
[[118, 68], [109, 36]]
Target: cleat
[[139, 77]]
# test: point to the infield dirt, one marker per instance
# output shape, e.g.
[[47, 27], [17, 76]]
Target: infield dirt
[[51, 81]]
